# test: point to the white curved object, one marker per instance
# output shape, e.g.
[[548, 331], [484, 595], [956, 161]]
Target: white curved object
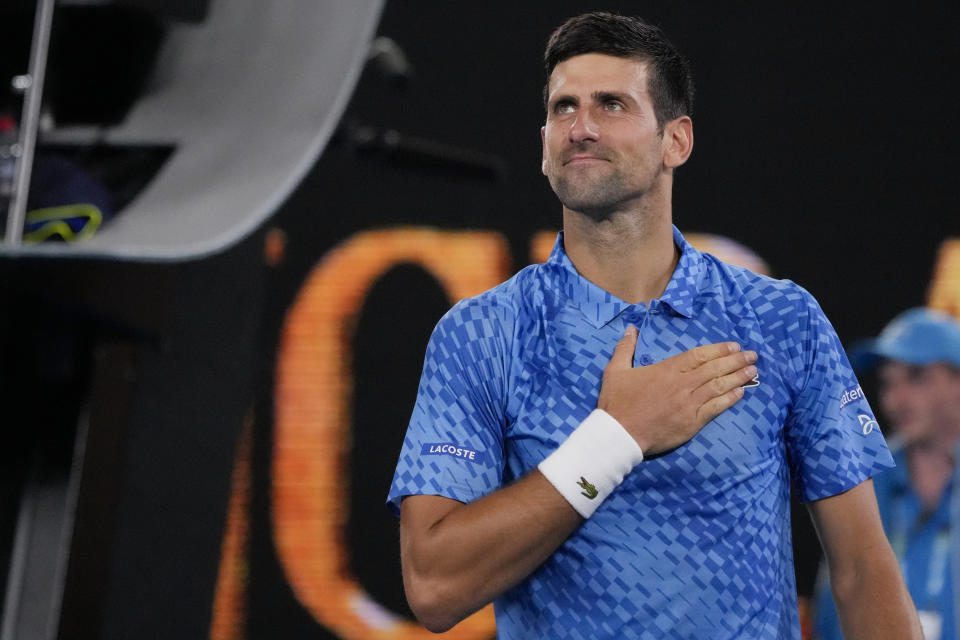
[[250, 99]]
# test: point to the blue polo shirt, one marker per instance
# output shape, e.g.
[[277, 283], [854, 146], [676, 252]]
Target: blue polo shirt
[[695, 543]]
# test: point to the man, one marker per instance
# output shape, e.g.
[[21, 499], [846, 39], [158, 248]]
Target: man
[[591, 498], [917, 358]]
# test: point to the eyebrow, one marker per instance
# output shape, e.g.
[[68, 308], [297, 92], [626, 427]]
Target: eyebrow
[[603, 96], [596, 96]]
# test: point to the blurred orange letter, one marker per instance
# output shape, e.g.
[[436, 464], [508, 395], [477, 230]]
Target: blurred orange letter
[[313, 425]]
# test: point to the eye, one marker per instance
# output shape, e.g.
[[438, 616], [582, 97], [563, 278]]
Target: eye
[[613, 105], [564, 106]]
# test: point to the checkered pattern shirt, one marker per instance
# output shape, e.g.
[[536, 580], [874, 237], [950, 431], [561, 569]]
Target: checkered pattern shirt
[[695, 543]]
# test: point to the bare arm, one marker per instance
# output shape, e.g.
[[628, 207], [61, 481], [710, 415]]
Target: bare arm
[[872, 600], [458, 557]]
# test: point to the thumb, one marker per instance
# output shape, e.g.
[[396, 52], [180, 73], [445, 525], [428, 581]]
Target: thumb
[[622, 357]]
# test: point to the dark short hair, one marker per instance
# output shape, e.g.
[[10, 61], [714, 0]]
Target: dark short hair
[[670, 82]]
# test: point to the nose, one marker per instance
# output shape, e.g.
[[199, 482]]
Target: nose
[[584, 128]]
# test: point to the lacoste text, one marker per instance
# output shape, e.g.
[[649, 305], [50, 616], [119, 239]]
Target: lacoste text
[[447, 449]]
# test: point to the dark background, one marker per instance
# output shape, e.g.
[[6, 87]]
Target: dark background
[[825, 141]]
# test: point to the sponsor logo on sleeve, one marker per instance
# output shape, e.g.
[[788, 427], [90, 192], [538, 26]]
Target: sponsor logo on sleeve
[[850, 395], [453, 450], [868, 424]]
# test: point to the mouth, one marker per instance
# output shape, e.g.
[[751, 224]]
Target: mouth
[[583, 159]]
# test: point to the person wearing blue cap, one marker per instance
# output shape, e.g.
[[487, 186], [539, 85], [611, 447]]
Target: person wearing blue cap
[[917, 362]]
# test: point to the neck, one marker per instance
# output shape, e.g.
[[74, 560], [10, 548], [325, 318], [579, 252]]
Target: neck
[[631, 254], [930, 469]]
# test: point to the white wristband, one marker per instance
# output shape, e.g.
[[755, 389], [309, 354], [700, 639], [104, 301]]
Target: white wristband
[[592, 462]]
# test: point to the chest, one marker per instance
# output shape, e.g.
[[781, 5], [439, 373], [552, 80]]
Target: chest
[[559, 382]]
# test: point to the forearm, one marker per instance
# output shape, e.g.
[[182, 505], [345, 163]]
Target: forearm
[[872, 600], [476, 551]]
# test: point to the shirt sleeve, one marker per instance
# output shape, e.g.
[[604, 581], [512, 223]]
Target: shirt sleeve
[[833, 439], [454, 442]]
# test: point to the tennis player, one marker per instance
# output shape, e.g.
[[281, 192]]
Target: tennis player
[[603, 445]]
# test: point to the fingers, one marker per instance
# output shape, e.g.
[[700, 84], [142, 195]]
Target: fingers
[[699, 356], [718, 404], [623, 353], [720, 386], [722, 366]]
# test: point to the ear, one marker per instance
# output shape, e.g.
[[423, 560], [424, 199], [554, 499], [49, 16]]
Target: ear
[[543, 150], [677, 141]]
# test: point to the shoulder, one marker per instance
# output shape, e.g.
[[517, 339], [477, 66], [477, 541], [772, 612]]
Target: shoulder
[[775, 302], [782, 317], [496, 312]]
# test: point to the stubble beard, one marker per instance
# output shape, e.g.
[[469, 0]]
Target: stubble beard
[[597, 197]]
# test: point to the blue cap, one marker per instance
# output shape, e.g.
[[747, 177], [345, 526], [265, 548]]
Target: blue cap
[[918, 336]]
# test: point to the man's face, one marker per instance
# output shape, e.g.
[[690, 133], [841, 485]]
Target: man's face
[[602, 148], [921, 402]]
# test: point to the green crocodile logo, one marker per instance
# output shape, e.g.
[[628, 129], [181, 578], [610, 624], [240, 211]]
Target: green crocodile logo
[[589, 490]]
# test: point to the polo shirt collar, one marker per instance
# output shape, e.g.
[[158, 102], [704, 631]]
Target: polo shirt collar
[[600, 307]]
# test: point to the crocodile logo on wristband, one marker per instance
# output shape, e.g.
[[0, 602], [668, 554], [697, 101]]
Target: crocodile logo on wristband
[[589, 490]]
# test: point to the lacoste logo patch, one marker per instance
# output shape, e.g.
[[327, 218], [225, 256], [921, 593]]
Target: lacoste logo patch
[[589, 490], [454, 450]]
